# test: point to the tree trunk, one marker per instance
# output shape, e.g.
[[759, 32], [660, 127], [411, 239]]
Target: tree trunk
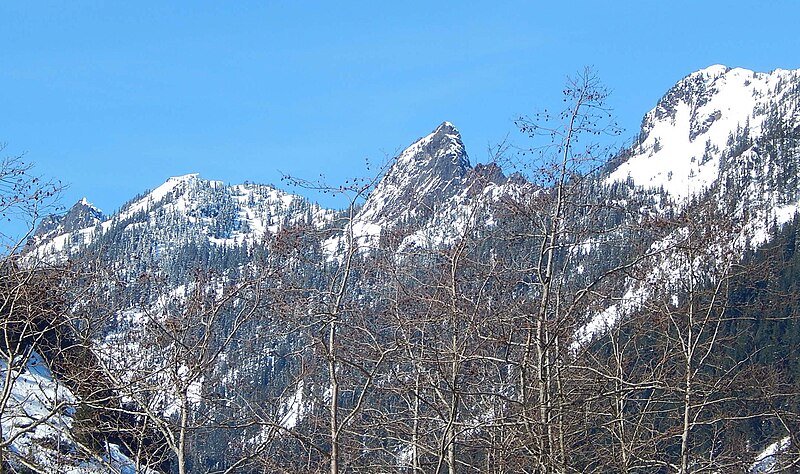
[[334, 394]]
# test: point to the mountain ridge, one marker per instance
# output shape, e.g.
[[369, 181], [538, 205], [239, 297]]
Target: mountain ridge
[[717, 159]]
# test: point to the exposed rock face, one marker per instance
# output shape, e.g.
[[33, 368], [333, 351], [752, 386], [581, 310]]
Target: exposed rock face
[[428, 172], [80, 216]]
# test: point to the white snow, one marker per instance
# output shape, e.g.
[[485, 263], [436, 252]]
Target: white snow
[[669, 157], [36, 395], [192, 384], [765, 461], [157, 194], [292, 410]]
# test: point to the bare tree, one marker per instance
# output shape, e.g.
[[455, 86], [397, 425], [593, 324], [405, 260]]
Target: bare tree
[[441, 308], [334, 316], [30, 307], [558, 216], [166, 362]]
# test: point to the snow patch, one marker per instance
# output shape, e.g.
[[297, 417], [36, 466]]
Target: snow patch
[[292, 410], [766, 460]]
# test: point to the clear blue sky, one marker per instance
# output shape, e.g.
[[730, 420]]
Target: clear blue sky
[[114, 97]]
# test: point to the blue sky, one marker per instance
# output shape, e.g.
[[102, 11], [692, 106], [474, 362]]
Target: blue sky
[[112, 98]]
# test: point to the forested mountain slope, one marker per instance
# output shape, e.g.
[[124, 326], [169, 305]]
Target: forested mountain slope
[[573, 314]]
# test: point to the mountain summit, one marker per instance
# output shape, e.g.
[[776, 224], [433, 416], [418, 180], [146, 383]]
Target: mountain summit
[[684, 136], [81, 215], [429, 171]]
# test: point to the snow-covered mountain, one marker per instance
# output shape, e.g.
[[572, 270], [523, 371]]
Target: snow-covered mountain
[[722, 145], [185, 209], [686, 141], [428, 172], [724, 141], [81, 215], [704, 130]]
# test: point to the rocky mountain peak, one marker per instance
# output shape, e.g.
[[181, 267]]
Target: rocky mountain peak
[[441, 152], [483, 175], [80, 216], [708, 74], [429, 171], [695, 89]]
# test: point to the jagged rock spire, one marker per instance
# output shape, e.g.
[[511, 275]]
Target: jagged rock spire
[[80, 216], [429, 171]]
